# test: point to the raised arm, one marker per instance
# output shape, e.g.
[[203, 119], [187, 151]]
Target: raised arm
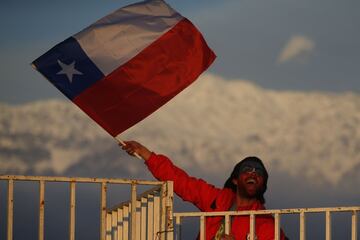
[[190, 189]]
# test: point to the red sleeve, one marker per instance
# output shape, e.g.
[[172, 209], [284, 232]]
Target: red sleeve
[[190, 189]]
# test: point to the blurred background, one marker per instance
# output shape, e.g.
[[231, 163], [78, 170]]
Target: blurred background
[[284, 87]]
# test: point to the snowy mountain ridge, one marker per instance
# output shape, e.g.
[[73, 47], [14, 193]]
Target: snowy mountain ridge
[[210, 126]]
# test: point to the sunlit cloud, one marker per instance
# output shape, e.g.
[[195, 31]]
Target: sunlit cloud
[[297, 47]]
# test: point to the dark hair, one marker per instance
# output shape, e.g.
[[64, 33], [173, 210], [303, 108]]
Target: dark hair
[[236, 172]]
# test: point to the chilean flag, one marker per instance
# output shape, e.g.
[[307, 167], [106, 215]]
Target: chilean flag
[[128, 64]]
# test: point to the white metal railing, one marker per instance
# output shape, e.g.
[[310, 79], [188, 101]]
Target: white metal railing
[[150, 214], [162, 195], [277, 215]]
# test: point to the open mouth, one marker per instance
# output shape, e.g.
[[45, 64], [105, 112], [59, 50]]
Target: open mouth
[[250, 181]]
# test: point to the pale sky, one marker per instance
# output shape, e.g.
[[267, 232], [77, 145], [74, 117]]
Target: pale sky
[[308, 45]]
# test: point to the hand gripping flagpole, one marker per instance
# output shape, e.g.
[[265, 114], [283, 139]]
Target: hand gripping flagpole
[[124, 144]]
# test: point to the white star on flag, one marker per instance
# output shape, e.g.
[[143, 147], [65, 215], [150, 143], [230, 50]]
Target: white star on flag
[[69, 70]]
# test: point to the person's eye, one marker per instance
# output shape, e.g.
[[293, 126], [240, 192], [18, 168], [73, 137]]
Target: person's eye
[[247, 169]]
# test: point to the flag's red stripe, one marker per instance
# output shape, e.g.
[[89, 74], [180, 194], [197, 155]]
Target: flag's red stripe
[[149, 80]]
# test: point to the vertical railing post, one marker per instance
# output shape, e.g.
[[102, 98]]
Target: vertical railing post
[[227, 224], [114, 225], [169, 210], [252, 227], [138, 220], [156, 215], [72, 211], [277, 226], [354, 225], [150, 217], [108, 226], [163, 194], [41, 209], [302, 225], [126, 223], [10, 209], [120, 224], [103, 211], [178, 228], [143, 218], [133, 212], [202, 228], [328, 226]]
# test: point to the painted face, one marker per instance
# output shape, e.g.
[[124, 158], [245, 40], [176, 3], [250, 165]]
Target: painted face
[[249, 183]]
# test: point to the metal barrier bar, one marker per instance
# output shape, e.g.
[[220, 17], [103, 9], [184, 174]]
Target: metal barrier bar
[[227, 224], [150, 218], [169, 210], [267, 212], [252, 227], [277, 227], [72, 211], [126, 223], [302, 226], [144, 194], [163, 194], [41, 209], [143, 202], [103, 211], [153, 213], [138, 220], [108, 226], [156, 216], [133, 211], [202, 228], [177, 228], [277, 216], [354, 225], [114, 222], [120, 223], [328, 225], [10, 209], [79, 180]]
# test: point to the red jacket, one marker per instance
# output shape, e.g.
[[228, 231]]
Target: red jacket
[[208, 198]]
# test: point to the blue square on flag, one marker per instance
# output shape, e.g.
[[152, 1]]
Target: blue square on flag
[[68, 67]]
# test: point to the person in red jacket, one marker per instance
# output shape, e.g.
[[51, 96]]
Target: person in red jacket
[[244, 190]]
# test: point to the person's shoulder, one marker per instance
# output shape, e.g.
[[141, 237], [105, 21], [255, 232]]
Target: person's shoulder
[[223, 200]]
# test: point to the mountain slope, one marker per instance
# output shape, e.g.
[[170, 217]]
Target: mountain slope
[[210, 126]]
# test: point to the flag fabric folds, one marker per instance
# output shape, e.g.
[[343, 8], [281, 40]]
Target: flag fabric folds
[[127, 64]]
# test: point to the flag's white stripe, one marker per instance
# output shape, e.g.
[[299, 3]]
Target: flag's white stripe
[[118, 37]]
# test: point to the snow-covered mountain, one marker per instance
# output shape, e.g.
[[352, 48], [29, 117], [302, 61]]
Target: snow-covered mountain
[[209, 127]]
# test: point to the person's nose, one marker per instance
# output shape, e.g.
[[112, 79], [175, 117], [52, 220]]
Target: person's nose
[[253, 172]]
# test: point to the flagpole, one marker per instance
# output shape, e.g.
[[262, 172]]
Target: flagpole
[[124, 144]]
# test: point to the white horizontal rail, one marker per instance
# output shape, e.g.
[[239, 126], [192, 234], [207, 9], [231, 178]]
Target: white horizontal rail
[[264, 212], [79, 180]]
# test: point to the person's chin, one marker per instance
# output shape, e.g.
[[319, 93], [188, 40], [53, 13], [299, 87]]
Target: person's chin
[[252, 192]]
